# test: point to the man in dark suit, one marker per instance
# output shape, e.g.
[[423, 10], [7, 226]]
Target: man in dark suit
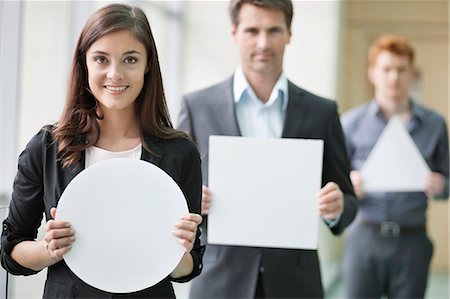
[[259, 101]]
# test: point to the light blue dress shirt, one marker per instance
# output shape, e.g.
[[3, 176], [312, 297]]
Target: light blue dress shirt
[[256, 118], [263, 120], [363, 126]]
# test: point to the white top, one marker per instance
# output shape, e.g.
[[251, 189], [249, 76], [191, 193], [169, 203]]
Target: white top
[[95, 154], [256, 118]]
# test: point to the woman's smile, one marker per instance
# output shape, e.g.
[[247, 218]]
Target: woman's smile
[[116, 90], [116, 65]]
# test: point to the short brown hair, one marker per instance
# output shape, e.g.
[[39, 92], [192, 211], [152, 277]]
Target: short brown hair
[[395, 44], [284, 5]]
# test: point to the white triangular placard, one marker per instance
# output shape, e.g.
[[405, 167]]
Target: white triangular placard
[[395, 163]]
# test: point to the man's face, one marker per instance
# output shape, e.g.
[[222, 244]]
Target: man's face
[[261, 36], [391, 76]]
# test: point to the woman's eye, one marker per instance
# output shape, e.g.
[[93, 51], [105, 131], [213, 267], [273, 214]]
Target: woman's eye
[[130, 60], [101, 59]]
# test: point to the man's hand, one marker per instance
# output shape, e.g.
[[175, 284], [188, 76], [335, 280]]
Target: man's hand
[[331, 201], [206, 200], [357, 182], [434, 184]]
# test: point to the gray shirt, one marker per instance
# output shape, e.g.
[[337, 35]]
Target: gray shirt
[[362, 127]]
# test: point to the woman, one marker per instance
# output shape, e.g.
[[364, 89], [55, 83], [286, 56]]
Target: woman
[[115, 108]]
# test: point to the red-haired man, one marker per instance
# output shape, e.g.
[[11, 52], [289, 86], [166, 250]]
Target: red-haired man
[[388, 251]]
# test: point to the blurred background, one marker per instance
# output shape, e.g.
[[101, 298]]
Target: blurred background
[[327, 55]]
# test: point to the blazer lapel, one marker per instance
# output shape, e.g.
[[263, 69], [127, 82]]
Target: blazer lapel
[[73, 170], [65, 175], [224, 110], [156, 154], [296, 112]]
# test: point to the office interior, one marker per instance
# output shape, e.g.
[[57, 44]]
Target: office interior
[[327, 55]]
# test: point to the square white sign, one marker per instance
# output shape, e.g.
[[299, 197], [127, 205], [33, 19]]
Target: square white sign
[[264, 191]]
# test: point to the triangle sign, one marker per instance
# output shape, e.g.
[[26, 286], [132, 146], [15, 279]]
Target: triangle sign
[[395, 164]]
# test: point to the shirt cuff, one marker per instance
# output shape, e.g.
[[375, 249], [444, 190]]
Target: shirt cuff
[[197, 257], [332, 223], [14, 267]]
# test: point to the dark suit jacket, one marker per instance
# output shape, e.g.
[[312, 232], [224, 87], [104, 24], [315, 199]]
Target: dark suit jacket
[[231, 271], [38, 185]]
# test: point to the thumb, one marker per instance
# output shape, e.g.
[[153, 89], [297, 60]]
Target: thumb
[[53, 212]]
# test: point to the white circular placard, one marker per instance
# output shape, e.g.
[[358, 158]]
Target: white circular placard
[[123, 212]]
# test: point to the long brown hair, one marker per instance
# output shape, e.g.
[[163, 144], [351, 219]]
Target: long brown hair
[[78, 127]]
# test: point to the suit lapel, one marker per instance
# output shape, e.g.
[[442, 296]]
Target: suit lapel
[[296, 112], [224, 110]]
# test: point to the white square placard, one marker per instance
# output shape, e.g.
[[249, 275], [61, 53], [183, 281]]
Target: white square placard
[[264, 191]]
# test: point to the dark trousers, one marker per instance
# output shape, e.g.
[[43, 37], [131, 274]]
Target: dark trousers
[[376, 265], [259, 289]]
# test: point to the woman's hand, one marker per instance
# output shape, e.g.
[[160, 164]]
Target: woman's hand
[[59, 237], [186, 230]]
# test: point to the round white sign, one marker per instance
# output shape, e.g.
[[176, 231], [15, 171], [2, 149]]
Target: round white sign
[[123, 212]]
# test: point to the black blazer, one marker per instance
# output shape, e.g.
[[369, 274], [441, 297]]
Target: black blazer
[[39, 183], [231, 271]]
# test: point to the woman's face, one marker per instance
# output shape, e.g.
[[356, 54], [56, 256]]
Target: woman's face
[[116, 64]]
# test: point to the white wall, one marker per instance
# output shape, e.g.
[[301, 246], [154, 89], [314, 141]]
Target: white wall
[[45, 58], [10, 18], [312, 57], [209, 52]]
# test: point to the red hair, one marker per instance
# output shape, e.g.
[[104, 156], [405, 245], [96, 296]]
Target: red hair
[[391, 43]]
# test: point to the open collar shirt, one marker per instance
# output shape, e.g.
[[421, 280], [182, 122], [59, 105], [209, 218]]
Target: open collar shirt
[[256, 118], [362, 127]]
